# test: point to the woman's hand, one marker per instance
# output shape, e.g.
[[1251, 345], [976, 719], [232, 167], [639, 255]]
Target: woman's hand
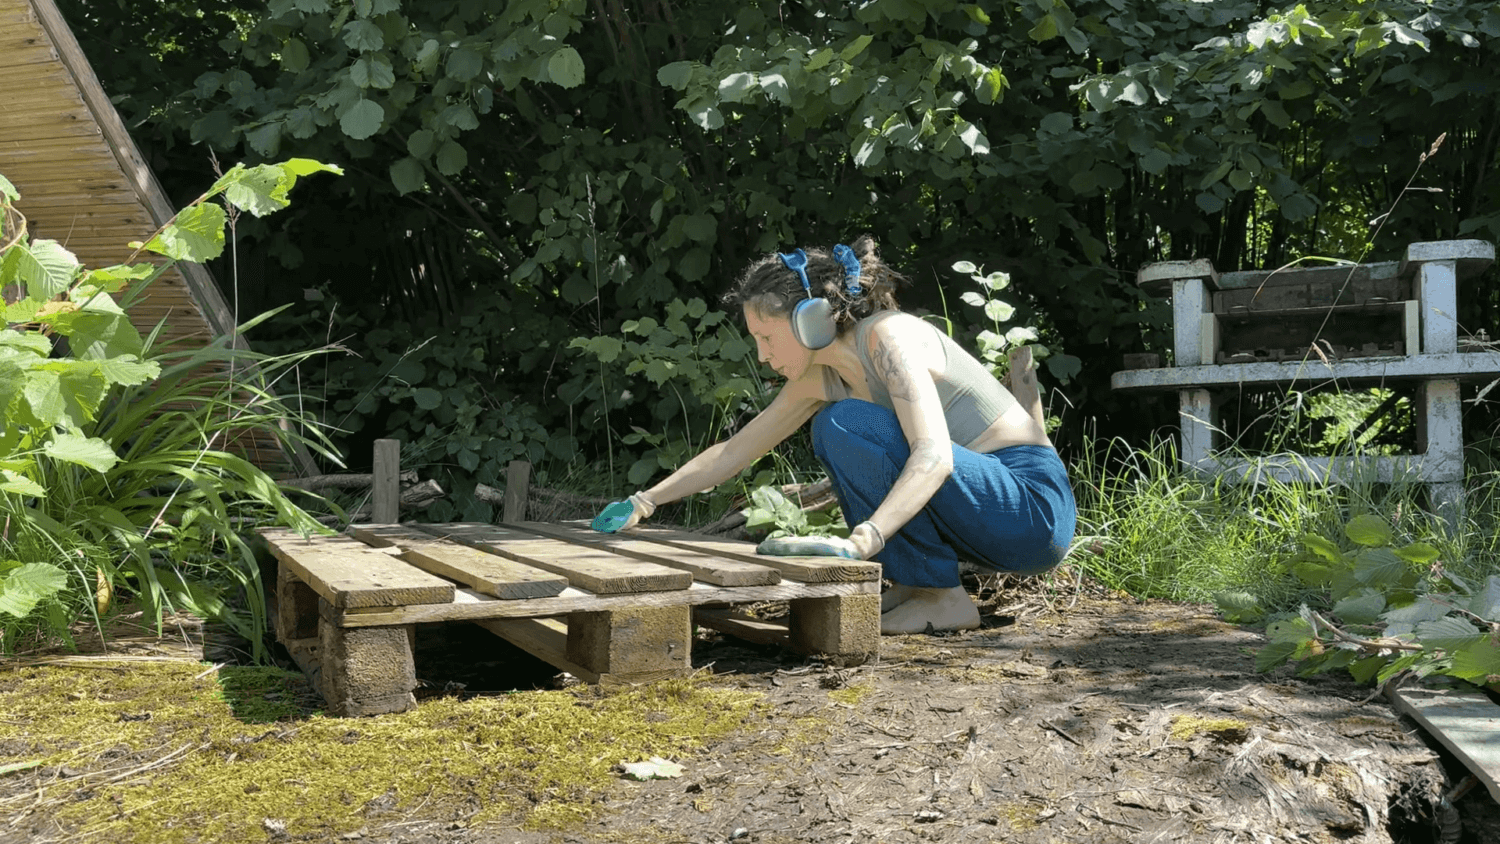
[[624, 515], [863, 543]]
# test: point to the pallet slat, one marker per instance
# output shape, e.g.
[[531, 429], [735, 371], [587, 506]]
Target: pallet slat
[[805, 569], [493, 575], [471, 605], [350, 575], [704, 567], [596, 570]]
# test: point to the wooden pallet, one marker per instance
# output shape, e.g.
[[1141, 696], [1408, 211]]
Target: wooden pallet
[[607, 608]]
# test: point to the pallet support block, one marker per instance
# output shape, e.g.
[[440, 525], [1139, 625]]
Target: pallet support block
[[296, 607], [846, 628], [645, 641], [366, 670]]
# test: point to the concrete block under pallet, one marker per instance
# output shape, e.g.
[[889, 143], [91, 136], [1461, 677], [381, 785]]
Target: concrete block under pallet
[[632, 641], [366, 670]]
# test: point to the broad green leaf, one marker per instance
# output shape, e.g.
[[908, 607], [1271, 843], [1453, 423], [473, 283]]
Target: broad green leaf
[[819, 61], [30, 341], [1379, 567], [261, 190], [1449, 633], [1477, 662], [17, 484], [676, 75], [362, 120], [43, 266], [118, 277], [1239, 607], [294, 56], [1293, 630], [1486, 602], [855, 47], [265, 139], [363, 36], [1273, 655], [298, 167], [1418, 552], [8, 190], [373, 71], [1361, 609], [90, 452], [1364, 670], [464, 64], [408, 176], [197, 234], [1322, 547], [30, 584], [565, 68], [452, 158], [427, 398], [1403, 620], [1369, 530], [999, 311], [422, 143]]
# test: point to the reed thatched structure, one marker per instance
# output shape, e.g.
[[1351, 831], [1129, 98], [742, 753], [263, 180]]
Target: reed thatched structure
[[84, 183]]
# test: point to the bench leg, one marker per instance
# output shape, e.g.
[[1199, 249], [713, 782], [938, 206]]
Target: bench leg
[[296, 608], [366, 670], [845, 628], [632, 645]]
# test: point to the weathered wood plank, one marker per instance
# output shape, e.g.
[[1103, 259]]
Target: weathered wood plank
[[1465, 721], [349, 574], [718, 570], [470, 605], [596, 570], [491, 574], [741, 626], [805, 569]]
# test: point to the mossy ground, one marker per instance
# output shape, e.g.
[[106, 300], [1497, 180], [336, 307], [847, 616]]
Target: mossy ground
[[154, 752]]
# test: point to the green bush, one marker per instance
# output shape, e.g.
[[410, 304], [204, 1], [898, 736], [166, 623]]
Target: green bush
[[116, 469]]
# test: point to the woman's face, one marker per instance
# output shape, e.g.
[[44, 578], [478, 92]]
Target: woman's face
[[777, 345]]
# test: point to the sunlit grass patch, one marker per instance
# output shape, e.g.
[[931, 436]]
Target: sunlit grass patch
[[173, 752]]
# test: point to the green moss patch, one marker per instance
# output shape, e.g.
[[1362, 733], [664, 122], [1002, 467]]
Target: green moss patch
[[181, 752]]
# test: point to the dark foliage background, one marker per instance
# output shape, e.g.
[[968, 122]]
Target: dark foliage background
[[523, 175]]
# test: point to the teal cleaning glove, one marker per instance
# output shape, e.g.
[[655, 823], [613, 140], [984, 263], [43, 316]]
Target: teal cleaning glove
[[623, 515]]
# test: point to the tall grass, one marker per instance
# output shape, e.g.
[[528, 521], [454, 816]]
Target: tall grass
[[1149, 527], [167, 525]]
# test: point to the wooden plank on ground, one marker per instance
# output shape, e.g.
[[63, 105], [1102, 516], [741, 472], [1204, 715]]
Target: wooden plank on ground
[[597, 570], [718, 570], [805, 569], [349, 574], [1466, 721], [490, 574], [742, 626]]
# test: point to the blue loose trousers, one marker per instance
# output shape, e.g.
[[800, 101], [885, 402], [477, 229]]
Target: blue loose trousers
[[1011, 510]]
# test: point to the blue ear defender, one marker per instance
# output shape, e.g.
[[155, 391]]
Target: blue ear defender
[[813, 323]]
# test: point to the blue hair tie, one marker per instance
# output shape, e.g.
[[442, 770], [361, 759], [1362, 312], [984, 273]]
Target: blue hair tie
[[845, 256], [797, 263]]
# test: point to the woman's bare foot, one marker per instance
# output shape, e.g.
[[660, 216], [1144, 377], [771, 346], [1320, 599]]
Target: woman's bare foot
[[943, 608], [898, 594]]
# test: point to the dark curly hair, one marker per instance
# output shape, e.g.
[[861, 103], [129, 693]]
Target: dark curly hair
[[773, 290]]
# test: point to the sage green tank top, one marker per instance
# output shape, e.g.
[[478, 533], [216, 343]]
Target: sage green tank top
[[972, 397]]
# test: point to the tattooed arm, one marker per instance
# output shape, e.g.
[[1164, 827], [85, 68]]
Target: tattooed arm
[[906, 355]]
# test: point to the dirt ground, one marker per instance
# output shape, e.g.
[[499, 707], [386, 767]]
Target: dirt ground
[[1066, 719], [1090, 719]]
